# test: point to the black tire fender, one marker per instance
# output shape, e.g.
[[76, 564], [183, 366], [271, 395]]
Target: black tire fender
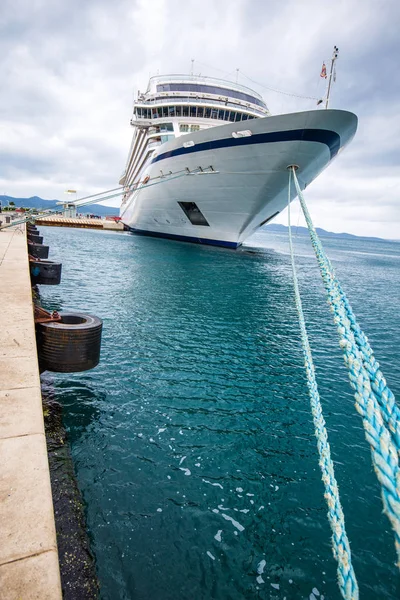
[[38, 250], [36, 239], [45, 272], [70, 345]]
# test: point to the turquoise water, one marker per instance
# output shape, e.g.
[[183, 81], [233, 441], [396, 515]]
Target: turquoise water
[[193, 441]]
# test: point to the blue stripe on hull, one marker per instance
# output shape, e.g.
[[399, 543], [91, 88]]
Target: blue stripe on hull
[[185, 238], [323, 136]]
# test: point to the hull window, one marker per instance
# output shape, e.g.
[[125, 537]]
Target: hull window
[[193, 213]]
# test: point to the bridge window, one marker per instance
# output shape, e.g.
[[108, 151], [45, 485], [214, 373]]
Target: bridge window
[[200, 112], [179, 111], [185, 127]]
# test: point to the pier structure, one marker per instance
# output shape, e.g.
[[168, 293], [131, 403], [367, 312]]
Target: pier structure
[[87, 223], [69, 211], [29, 566]]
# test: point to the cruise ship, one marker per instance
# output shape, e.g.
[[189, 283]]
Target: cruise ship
[[209, 164]]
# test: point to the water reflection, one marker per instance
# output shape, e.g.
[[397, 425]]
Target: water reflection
[[199, 460], [81, 404]]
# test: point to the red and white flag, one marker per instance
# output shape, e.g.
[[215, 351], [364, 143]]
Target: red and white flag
[[323, 71]]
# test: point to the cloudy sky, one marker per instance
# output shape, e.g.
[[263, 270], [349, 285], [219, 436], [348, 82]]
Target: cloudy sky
[[69, 71]]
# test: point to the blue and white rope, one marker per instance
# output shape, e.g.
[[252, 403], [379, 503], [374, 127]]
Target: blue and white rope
[[341, 547], [374, 400]]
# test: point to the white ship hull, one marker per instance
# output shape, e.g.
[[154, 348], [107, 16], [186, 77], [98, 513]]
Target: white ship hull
[[250, 186]]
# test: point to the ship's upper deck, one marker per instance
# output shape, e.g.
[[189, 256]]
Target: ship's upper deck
[[200, 85], [197, 91], [175, 105]]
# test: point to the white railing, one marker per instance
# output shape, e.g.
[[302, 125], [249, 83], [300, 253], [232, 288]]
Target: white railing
[[163, 79]]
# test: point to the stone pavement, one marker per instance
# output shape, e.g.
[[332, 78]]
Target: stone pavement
[[28, 547]]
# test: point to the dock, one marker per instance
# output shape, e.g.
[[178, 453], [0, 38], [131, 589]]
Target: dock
[[87, 223], [29, 566]]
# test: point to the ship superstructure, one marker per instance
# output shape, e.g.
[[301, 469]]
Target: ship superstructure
[[208, 163]]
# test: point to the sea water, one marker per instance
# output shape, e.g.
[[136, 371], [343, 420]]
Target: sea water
[[193, 441]]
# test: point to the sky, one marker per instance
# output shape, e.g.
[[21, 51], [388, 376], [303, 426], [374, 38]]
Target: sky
[[69, 73]]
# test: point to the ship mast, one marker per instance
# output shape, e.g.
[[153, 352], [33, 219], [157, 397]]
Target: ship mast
[[332, 72]]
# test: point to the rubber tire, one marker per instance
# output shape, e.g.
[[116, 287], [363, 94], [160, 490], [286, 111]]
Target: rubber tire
[[38, 250], [68, 346], [45, 272], [36, 239]]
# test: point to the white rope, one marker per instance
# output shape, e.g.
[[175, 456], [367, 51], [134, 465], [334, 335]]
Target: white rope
[[341, 548]]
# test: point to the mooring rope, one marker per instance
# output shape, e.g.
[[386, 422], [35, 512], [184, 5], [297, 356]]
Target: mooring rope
[[340, 543], [164, 178], [374, 400]]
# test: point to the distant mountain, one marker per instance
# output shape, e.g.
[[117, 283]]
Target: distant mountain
[[36, 202], [321, 232]]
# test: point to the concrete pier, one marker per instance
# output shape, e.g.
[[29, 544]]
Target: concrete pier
[[28, 548]]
